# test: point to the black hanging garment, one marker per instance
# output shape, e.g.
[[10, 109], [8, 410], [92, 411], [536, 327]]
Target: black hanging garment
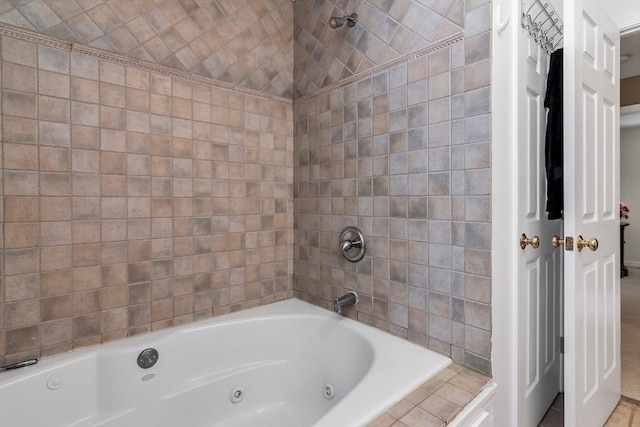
[[554, 137]]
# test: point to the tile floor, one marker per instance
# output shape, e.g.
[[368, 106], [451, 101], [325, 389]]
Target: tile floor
[[626, 414]]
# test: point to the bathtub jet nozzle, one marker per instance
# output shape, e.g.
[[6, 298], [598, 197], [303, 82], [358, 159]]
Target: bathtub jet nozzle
[[347, 300]]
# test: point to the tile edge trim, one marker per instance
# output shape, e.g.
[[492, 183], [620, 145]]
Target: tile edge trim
[[407, 57], [34, 37], [42, 39]]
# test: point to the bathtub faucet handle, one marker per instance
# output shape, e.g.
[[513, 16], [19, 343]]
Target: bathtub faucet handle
[[346, 300], [348, 244], [352, 244]]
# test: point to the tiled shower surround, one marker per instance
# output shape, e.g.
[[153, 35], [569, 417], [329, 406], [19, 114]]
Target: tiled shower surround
[[403, 153], [385, 30], [136, 198], [134, 201]]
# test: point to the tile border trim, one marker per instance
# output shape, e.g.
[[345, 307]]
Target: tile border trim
[[407, 57], [34, 37]]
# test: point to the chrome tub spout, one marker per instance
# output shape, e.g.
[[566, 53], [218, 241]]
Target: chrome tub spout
[[346, 300]]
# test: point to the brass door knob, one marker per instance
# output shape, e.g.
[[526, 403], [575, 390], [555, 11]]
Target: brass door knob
[[567, 242], [592, 244], [534, 241]]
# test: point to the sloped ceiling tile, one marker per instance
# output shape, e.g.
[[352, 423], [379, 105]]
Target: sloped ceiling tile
[[243, 42]]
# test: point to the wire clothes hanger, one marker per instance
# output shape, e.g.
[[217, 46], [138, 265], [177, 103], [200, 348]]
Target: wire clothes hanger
[[543, 24]]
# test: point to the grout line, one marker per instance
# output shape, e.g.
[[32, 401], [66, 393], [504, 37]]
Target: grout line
[[630, 400]]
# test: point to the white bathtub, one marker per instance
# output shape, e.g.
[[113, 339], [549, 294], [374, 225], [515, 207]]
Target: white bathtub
[[282, 356]]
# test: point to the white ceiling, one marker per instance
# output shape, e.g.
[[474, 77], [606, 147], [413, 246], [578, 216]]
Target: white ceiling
[[624, 12]]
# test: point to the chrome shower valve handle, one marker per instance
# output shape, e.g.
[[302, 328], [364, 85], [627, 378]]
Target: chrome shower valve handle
[[348, 244], [352, 244]]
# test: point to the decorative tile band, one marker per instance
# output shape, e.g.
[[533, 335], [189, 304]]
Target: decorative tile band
[[407, 57], [34, 37]]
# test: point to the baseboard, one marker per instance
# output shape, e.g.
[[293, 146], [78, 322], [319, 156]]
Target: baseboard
[[634, 264]]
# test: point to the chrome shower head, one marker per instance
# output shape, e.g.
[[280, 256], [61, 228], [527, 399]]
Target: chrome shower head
[[338, 21]]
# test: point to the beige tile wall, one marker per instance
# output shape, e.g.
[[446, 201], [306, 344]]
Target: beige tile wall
[[134, 201], [385, 30], [404, 155], [242, 42]]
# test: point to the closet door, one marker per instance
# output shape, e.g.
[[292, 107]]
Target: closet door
[[591, 165], [539, 269]]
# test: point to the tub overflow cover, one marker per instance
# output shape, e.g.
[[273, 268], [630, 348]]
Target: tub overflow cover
[[147, 358]]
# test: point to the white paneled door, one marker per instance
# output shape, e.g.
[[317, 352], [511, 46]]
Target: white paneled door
[[543, 293], [539, 269], [591, 163]]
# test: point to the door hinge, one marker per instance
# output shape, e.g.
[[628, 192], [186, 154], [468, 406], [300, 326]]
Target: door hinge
[[561, 345]]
